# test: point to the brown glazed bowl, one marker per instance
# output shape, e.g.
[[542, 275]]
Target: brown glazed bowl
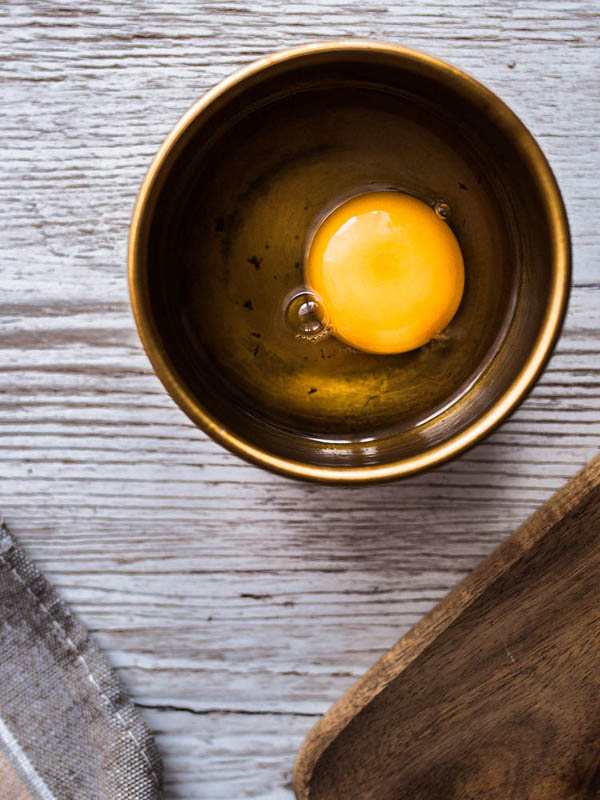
[[219, 233]]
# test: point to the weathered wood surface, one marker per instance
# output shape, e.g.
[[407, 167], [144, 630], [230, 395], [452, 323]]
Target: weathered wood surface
[[238, 605], [494, 694]]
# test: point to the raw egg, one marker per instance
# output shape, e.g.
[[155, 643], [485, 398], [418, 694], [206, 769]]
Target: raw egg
[[387, 271]]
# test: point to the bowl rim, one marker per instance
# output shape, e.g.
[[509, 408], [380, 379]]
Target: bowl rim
[[501, 408]]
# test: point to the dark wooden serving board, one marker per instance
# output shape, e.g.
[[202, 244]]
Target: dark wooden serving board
[[494, 695]]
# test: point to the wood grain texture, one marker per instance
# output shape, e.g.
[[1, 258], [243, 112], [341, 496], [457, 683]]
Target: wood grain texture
[[237, 605], [494, 693]]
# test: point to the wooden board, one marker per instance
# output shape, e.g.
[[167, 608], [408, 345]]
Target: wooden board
[[236, 605], [496, 693]]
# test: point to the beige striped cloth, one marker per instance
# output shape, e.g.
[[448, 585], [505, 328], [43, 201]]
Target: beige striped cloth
[[68, 731]]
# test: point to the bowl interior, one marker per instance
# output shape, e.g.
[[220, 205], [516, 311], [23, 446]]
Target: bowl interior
[[226, 228]]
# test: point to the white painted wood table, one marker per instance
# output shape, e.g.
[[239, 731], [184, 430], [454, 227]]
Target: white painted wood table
[[237, 605]]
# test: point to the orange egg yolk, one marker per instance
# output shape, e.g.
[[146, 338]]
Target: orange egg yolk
[[387, 271]]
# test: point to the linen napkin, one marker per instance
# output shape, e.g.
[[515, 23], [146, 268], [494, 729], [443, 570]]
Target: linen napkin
[[68, 731]]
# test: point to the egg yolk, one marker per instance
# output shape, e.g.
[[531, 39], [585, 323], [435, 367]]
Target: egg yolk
[[387, 271]]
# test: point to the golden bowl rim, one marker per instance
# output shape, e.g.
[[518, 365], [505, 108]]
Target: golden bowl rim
[[483, 425]]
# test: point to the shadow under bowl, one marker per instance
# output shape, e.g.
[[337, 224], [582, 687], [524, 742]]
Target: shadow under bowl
[[219, 235]]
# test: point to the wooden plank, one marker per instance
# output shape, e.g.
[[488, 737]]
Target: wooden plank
[[493, 694], [148, 528]]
